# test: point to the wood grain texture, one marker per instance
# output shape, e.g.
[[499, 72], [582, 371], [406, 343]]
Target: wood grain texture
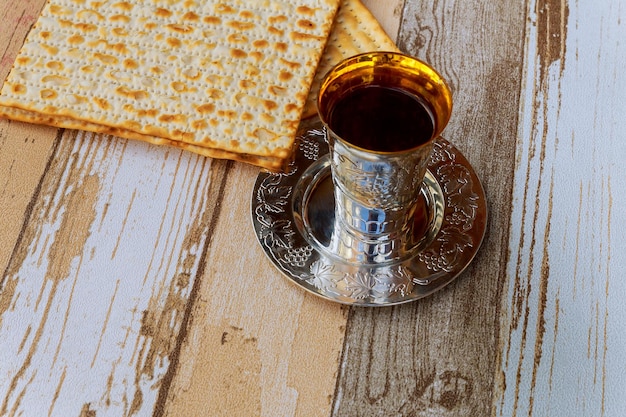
[[437, 357], [97, 288], [24, 149], [18, 17], [258, 345], [563, 316]]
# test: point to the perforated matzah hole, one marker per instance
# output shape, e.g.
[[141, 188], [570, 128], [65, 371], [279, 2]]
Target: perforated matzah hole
[[231, 77]]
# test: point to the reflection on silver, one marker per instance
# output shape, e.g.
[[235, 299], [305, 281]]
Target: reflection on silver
[[377, 198], [293, 215]]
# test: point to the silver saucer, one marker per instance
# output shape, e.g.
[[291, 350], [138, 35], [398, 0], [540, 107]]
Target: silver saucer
[[293, 216]]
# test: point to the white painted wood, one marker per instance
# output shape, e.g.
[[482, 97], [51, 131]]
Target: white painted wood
[[564, 334], [99, 281]]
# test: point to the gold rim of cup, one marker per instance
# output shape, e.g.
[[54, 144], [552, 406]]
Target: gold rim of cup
[[393, 69]]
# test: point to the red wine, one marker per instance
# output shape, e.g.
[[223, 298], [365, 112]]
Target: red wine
[[381, 119]]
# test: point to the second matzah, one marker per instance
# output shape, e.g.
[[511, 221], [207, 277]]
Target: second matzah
[[354, 31]]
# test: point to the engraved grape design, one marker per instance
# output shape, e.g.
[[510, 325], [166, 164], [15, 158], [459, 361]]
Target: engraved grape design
[[309, 147], [298, 257]]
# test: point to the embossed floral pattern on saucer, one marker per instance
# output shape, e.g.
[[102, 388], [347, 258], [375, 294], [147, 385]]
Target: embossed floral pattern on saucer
[[292, 214]]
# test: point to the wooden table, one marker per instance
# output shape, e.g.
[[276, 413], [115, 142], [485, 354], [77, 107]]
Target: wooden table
[[133, 284]]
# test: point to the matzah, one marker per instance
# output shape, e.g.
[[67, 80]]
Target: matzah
[[354, 31], [225, 79]]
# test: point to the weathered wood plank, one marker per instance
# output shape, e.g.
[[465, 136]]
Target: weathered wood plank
[[97, 288], [24, 149], [17, 20], [563, 331], [437, 357], [257, 344]]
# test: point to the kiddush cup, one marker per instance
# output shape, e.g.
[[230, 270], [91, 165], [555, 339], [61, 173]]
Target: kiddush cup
[[382, 112]]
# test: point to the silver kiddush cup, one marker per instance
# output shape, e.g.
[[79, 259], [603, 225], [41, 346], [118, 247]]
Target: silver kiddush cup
[[382, 112]]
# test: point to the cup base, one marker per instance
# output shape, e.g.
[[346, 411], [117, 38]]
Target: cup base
[[293, 216]]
